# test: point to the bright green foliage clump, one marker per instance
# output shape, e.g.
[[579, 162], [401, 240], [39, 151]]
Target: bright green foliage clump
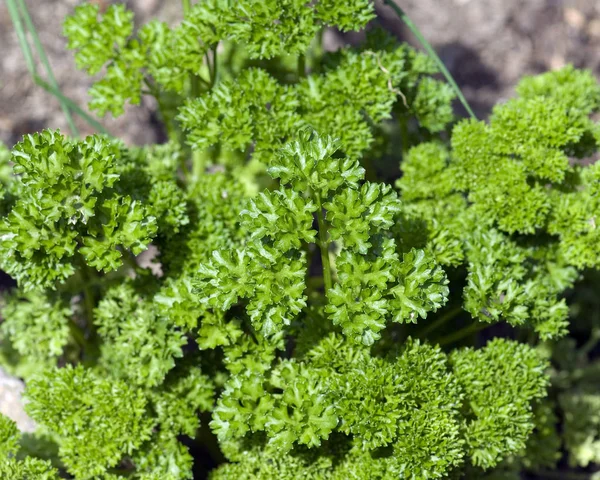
[[374, 283], [254, 110], [526, 211], [163, 58], [494, 403], [9, 437], [576, 399], [28, 468], [12, 468], [254, 297], [526, 148], [37, 326], [70, 207], [402, 415], [118, 408], [98, 420], [140, 344]]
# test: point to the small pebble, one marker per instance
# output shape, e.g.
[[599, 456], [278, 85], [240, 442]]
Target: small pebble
[[11, 402]]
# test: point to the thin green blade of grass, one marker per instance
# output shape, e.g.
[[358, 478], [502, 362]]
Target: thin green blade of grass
[[432, 53], [13, 11], [16, 12], [71, 104], [22, 7]]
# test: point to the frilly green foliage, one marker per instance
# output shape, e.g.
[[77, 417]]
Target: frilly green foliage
[[488, 379], [358, 91], [36, 325], [29, 468], [9, 437], [374, 282], [412, 414], [576, 400], [252, 293], [526, 210], [158, 55], [12, 467], [140, 345], [257, 108], [252, 108], [526, 147], [98, 420], [136, 395], [69, 211]]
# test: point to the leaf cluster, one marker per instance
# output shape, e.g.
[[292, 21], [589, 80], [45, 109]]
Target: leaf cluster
[[260, 272]]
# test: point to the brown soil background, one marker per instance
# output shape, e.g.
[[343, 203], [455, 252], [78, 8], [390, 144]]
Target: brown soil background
[[487, 45]]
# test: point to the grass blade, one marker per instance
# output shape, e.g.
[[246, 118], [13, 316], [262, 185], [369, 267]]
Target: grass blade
[[13, 11], [45, 62], [71, 104], [18, 12], [431, 52]]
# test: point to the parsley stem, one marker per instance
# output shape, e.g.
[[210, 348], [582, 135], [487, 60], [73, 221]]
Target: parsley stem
[[194, 80], [324, 244], [162, 110], [92, 351], [215, 67], [88, 300], [404, 136], [301, 66], [463, 332], [441, 320], [431, 52], [588, 346], [77, 334]]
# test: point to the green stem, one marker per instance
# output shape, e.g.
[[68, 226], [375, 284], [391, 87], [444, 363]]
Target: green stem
[[194, 80], [323, 244], [71, 104], [588, 346], [167, 121], [92, 351], [87, 277], [215, 67], [194, 86], [403, 124], [462, 333], [88, 302], [44, 59], [194, 93], [301, 66], [441, 320], [77, 334], [171, 133], [315, 283], [431, 52]]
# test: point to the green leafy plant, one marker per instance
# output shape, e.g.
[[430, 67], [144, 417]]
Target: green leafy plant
[[258, 288]]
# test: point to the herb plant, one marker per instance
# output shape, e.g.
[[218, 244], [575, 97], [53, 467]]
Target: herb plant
[[259, 289]]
